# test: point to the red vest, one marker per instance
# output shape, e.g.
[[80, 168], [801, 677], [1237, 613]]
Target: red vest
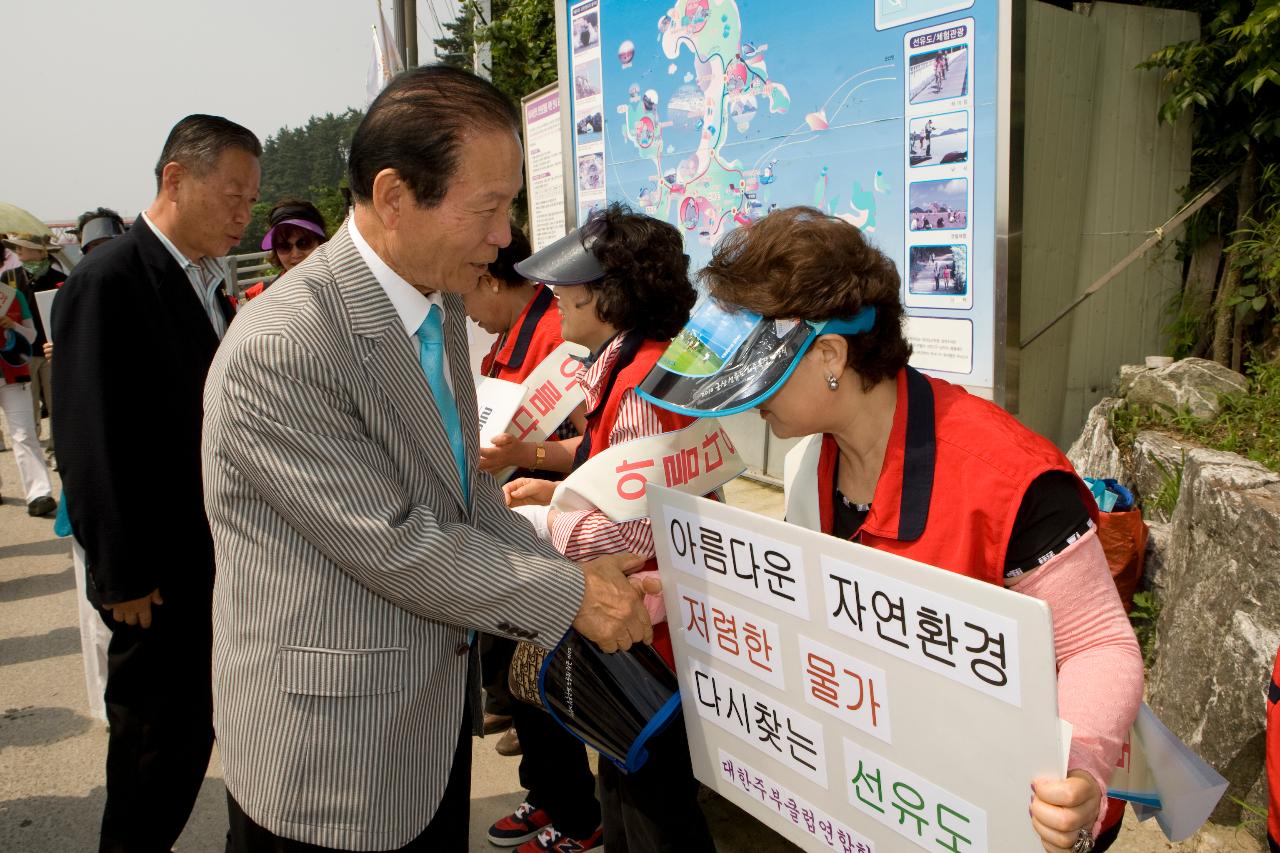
[[600, 421], [532, 338], [955, 470], [1273, 755], [15, 373]]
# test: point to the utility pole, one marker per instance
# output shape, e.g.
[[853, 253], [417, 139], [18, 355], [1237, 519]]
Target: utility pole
[[397, 15], [411, 33], [483, 59]]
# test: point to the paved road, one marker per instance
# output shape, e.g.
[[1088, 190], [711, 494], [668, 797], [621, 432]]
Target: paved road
[[52, 753]]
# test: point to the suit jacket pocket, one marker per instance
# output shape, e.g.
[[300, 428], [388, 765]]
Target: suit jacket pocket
[[340, 672]]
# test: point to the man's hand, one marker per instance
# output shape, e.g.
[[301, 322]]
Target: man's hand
[[7, 323], [611, 614], [1061, 808], [505, 452], [527, 491], [136, 612], [48, 350]]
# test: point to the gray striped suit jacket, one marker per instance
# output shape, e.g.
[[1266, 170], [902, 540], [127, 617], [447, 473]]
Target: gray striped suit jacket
[[348, 567]]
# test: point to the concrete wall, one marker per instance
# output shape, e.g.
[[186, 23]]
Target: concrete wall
[[1100, 174]]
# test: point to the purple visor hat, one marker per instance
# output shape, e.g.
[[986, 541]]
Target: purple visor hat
[[305, 224]]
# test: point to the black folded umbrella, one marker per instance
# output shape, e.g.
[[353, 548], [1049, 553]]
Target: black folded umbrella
[[613, 703]]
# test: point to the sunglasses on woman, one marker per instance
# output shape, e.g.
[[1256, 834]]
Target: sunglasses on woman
[[305, 243]]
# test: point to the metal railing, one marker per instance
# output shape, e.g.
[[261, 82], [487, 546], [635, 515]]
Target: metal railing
[[250, 268]]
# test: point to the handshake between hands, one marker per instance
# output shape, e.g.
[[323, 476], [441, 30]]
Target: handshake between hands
[[612, 613]]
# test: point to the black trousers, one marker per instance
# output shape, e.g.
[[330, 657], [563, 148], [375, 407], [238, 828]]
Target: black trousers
[[446, 832], [555, 771], [655, 809], [495, 664], [160, 713]]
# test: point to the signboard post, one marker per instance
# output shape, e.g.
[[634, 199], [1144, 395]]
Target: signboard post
[[850, 699]]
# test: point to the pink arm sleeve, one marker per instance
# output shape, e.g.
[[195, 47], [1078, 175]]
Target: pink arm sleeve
[[1099, 663]]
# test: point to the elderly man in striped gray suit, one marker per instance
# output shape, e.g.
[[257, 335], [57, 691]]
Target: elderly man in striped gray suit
[[358, 547]]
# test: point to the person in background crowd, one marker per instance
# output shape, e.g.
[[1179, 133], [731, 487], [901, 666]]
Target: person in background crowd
[[623, 293], [522, 314], [358, 547], [17, 335], [971, 491], [149, 554], [518, 312], [295, 229], [35, 253], [94, 228]]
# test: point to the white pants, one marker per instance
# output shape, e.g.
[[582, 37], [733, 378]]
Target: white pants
[[15, 399], [94, 637]]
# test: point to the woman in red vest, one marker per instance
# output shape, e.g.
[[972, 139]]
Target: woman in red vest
[[522, 314], [622, 288], [561, 799], [806, 327], [295, 229]]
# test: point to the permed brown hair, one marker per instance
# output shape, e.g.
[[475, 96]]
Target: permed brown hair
[[646, 283], [799, 263]]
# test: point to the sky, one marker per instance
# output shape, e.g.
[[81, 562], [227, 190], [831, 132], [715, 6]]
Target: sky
[[93, 87]]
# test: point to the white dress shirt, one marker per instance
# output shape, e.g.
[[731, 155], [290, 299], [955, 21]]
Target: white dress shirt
[[204, 274], [410, 303]]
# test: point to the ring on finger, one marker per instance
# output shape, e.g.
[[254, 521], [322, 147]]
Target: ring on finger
[[1084, 841]]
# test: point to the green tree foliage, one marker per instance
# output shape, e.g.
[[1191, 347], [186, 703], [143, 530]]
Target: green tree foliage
[[308, 162], [457, 47], [522, 44], [522, 41], [1230, 79]]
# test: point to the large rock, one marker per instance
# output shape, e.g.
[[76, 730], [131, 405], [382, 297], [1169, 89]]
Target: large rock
[[1094, 453], [1159, 534], [1193, 384], [1128, 373], [1219, 623], [1158, 463]]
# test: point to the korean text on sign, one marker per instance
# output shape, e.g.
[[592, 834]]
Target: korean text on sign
[[961, 642], [851, 690], [779, 803], [729, 633], [543, 400], [911, 806], [788, 737], [750, 564]]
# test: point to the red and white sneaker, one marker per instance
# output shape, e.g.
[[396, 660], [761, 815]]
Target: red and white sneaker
[[520, 826], [552, 841]]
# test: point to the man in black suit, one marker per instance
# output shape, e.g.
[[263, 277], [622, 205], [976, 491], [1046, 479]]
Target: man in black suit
[[130, 456]]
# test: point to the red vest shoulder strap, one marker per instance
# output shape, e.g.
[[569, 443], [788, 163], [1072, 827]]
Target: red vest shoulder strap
[[629, 376]]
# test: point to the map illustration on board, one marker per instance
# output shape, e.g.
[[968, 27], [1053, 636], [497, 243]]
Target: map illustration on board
[[725, 87], [710, 113]]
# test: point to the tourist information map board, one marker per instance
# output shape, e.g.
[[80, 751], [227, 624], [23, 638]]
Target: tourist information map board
[[886, 113]]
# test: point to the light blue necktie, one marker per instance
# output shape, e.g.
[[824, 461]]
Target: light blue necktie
[[431, 356]]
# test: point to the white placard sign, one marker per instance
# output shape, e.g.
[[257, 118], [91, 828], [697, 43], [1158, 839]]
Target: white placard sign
[[496, 401], [44, 302], [947, 745]]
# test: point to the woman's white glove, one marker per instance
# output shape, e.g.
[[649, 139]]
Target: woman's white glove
[[537, 516]]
